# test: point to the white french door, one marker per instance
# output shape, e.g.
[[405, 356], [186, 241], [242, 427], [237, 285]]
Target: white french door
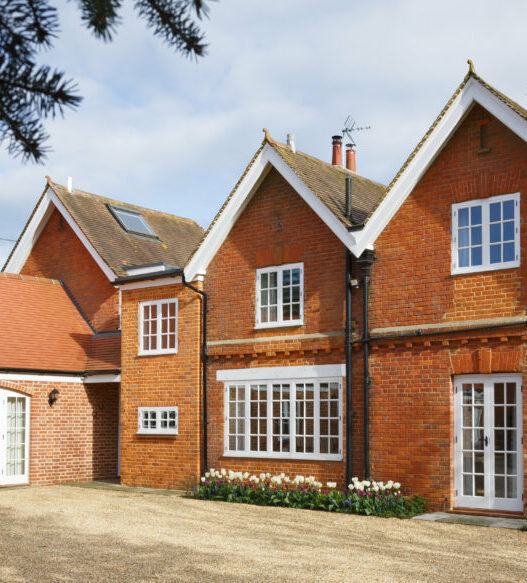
[[14, 438], [488, 437]]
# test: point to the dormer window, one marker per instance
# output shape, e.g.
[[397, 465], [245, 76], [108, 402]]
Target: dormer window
[[131, 221]]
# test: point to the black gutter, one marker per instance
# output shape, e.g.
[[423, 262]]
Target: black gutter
[[348, 347], [204, 356], [91, 373], [147, 276], [421, 332], [365, 262]]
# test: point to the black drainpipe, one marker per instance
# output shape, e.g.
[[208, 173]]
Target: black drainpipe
[[204, 357], [365, 262], [349, 457]]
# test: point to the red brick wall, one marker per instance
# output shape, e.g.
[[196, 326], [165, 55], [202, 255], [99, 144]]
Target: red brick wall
[[276, 227], [411, 396], [412, 276], [162, 380], [59, 254], [76, 439]]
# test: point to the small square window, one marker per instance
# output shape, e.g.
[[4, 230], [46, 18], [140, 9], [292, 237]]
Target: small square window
[[157, 420], [486, 234]]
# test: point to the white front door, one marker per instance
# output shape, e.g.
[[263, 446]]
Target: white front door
[[488, 437], [14, 438]]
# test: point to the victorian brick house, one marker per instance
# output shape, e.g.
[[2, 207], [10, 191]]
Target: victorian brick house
[[329, 325]]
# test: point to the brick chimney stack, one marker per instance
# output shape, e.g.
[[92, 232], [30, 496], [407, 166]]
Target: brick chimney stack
[[351, 163], [336, 159]]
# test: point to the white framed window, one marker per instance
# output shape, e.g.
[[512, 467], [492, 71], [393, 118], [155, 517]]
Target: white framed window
[[284, 418], [280, 296], [157, 420], [486, 234], [158, 327]]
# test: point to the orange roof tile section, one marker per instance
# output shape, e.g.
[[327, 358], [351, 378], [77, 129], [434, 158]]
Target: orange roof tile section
[[42, 329]]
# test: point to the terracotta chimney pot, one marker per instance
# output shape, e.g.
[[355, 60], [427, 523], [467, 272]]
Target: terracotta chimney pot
[[336, 159], [351, 162]]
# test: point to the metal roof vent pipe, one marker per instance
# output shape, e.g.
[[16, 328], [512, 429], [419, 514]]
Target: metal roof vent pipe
[[351, 161], [336, 159], [291, 142], [348, 197], [70, 184]]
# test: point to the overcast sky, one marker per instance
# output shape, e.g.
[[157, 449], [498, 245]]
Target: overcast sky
[[159, 130]]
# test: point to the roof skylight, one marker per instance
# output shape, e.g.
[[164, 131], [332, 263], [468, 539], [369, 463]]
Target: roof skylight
[[132, 221]]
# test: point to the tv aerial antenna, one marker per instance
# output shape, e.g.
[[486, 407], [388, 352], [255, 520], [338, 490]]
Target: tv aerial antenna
[[350, 127]]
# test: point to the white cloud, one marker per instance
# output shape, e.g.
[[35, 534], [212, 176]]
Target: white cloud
[[164, 131]]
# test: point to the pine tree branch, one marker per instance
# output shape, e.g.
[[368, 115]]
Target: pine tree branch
[[44, 22], [30, 93], [170, 20], [101, 17], [43, 90], [25, 136]]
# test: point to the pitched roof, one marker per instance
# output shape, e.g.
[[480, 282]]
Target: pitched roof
[[42, 329], [470, 75], [473, 89], [104, 352], [324, 181], [177, 236], [327, 182]]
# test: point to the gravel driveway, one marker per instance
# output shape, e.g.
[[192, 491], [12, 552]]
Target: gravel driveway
[[63, 533]]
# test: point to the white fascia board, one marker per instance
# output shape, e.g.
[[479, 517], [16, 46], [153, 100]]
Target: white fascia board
[[472, 92], [84, 240], [270, 373], [219, 232], [103, 378], [29, 238], [152, 283], [145, 269], [500, 110], [42, 213], [338, 229], [266, 159], [7, 376]]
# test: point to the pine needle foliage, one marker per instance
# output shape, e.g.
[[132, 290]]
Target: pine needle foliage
[[31, 92]]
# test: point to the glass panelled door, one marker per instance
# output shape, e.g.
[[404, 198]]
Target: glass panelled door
[[488, 442], [14, 438]]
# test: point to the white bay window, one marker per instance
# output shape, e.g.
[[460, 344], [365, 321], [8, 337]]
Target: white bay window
[[283, 418]]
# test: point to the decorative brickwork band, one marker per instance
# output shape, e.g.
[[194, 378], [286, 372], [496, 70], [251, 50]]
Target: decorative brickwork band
[[486, 361]]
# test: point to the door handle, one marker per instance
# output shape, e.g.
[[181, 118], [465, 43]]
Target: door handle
[[486, 441]]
